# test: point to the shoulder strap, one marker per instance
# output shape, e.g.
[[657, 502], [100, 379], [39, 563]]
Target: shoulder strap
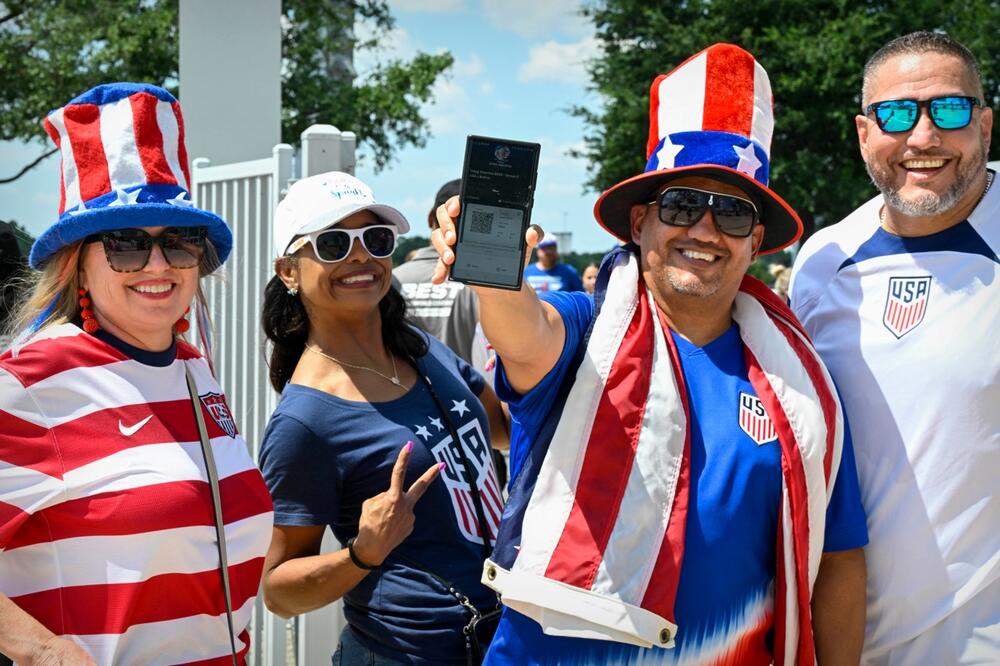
[[470, 472], [213, 481]]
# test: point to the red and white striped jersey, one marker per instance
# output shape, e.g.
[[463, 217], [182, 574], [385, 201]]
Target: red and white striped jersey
[[107, 534]]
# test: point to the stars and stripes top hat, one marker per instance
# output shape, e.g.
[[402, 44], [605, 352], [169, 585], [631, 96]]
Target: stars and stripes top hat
[[712, 116], [124, 165]]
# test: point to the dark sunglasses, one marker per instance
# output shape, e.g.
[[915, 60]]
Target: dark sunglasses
[[684, 206], [900, 115], [333, 245], [128, 250]]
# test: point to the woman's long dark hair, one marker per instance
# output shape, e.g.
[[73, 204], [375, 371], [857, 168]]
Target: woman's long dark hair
[[286, 325]]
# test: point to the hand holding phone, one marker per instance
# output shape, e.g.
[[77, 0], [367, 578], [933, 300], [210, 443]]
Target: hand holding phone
[[498, 187]]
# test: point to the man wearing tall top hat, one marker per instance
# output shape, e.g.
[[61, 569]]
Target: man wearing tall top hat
[[684, 489]]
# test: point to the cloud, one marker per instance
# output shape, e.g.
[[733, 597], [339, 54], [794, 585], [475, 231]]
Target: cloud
[[531, 18], [559, 61], [426, 6], [471, 67], [393, 45], [451, 109], [487, 88]]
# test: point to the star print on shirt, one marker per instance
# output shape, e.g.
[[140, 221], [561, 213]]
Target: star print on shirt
[[436, 423], [459, 407], [423, 432], [667, 153], [748, 160]]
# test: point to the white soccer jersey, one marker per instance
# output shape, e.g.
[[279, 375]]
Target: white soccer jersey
[[909, 329]]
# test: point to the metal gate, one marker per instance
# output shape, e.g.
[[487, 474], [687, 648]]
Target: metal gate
[[245, 194]]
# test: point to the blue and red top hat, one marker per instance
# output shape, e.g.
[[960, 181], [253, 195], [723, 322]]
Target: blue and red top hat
[[712, 116], [124, 165]]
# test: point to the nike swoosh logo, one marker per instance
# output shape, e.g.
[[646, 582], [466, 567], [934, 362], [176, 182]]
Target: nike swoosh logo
[[128, 431]]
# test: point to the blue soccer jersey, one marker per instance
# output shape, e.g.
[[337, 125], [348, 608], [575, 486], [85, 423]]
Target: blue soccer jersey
[[725, 599]]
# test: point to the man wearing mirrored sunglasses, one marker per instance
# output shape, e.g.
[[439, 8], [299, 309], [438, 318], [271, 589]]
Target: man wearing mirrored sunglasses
[[683, 485], [903, 300]]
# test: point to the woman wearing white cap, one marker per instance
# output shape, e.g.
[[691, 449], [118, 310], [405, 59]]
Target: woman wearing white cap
[[115, 438], [372, 412]]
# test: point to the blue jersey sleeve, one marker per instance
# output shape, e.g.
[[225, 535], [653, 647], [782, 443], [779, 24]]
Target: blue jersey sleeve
[[305, 487], [846, 524], [528, 411]]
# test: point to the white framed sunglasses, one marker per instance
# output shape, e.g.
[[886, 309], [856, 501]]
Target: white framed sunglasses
[[333, 245]]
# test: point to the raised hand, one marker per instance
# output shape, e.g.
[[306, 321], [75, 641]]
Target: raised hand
[[445, 236], [387, 518]]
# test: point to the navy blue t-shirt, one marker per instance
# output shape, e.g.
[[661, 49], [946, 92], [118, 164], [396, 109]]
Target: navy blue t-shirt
[[724, 605], [322, 456]]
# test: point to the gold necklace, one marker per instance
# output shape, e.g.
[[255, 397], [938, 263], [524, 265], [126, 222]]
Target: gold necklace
[[989, 183], [395, 375]]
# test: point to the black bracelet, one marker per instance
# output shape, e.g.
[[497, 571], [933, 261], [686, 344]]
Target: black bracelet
[[354, 556]]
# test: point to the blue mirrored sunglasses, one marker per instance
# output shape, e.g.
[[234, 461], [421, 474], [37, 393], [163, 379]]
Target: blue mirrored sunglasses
[[900, 115]]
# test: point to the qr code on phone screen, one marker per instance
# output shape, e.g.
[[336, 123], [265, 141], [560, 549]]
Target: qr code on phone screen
[[482, 222]]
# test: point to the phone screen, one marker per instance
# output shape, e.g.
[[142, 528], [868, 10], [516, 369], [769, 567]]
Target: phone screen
[[498, 186]]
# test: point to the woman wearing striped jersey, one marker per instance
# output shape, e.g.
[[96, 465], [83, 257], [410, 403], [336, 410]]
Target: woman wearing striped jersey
[[361, 440], [108, 536]]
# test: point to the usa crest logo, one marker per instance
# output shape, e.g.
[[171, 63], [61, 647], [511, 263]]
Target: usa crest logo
[[906, 304], [217, 408], [477, 449], [754, 420]]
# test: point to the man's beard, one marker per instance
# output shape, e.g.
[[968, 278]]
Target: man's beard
[[928, 203], [692, 286]]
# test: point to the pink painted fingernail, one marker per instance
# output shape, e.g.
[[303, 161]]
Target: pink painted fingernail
[[408, 447], [441, 465]]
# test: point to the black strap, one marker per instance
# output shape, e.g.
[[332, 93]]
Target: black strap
[[213, 483], [470, 475]]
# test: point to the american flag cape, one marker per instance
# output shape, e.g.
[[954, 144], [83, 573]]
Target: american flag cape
[[592, 545]]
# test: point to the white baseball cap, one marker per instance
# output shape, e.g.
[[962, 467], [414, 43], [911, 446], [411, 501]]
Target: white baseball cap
[[323, 200]]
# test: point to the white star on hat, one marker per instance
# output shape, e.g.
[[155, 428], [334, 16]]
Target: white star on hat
[[748, 160], [80, 209], [667, 153], [124, 198], [181, 200]]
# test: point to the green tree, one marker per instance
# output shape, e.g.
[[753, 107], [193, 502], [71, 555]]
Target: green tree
[[52, 50], [814, 52]]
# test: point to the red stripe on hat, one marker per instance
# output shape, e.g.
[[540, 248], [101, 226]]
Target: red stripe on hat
[[149, 140], [182, 155], [113, 608], [654, 115], [794, 475], [729, 75], [123, 512], [83, 126], [608, 458], [57, 139], [661, 594]]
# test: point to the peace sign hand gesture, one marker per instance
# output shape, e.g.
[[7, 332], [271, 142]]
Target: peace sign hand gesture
[[387, 518]]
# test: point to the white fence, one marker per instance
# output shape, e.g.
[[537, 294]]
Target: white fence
[[245, 195]]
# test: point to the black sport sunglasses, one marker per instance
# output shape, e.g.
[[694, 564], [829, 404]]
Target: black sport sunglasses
[[684, 206], [900, 115]]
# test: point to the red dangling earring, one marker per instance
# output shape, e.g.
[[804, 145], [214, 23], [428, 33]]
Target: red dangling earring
[[90, 324], [182, 325]]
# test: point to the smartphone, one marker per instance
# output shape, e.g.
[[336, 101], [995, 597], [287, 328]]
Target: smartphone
[[498, 190]]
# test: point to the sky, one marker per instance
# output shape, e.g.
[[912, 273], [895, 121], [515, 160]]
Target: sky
[[519, 67]]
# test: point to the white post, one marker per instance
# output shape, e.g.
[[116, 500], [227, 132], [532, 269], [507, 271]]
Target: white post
[[326, 148]]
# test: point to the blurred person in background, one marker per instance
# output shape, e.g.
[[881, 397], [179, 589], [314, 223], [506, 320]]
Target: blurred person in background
[[548, 273]]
